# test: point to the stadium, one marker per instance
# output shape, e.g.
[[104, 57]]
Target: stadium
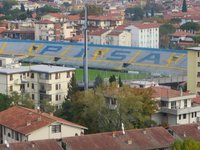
[[156, 62]]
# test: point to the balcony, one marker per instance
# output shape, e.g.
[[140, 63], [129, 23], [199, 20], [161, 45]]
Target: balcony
[[42, 91], [177, 111]]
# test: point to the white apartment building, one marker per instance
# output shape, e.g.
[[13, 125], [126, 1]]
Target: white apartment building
[[144, 35], [18, 124], [175, 107], [42, 82], [98, 36], [120, 38]]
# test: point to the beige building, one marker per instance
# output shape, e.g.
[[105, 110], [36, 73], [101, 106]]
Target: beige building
[[119, 38], [19, 124], [42, 82], [193, 70], [99, 36]]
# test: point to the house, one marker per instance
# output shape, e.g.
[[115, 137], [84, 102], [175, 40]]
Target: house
[[98, 36], [175, 107], [180, 36], [42, 82], [20, 124], [51, 144], [186, 131], [137, 139], [144, 35], [119, 37]]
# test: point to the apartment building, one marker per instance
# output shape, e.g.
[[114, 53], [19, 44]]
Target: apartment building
[[144, 35], [175, 107], [54, 27], [18, 124], [42, 82], [193, 70]]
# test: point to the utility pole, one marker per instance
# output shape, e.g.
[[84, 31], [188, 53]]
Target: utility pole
[[85, 56]]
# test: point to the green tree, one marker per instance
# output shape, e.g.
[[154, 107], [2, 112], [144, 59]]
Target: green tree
[[90, 108], [22, 8], [98, 81], [46, 106], [190, 26], [186, 144], [196, 38], [184, 6], [5, 102], [120, 82], [135, 13], [112, 79], [93, 10], [165, 30], [152, 12], [72, 87], [175, 21]]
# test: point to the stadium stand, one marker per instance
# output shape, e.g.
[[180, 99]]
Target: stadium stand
[[162, 61]]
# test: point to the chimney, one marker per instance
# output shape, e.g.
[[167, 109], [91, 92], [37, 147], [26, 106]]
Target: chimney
[[181, 91], [144, 131], [129, 141], [28, 123], [113, 134]]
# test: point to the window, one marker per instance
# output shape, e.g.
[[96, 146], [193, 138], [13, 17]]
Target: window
[[57, 76], [198, 74], [28, 74], [27, 84], [16, 136], [68, 74], [4, 130], [195, 114], [173, 105], [32, 85], [33, 96], [32, 75], [11, 88], [198, 54], [11, 77], [184, 116], [56, 86], [185, 102], [198, 84], [179, 116], [9, 135], [56, 128], [198, 64], [56, 97]]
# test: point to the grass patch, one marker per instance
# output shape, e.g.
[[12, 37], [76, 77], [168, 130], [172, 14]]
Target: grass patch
[[106, 74]]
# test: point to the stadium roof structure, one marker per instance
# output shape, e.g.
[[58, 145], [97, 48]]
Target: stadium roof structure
[[151, 60]]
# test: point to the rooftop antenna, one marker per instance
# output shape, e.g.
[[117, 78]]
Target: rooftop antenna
[[85, 56], [123, 129]]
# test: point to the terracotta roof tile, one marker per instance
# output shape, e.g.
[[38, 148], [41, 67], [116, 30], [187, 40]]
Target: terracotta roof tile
[[115, 32], [45, 22], [167, 92], [57, 15], [187, 130], [36, 145], [26, 120], [147, 25], [74, 17], [139, 139], [182, 33]]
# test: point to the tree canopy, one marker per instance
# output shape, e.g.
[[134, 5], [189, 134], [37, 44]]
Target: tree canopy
[[135, 13], [93, 10], [187, 144], [93, 108], [184, 6], [190, 26]]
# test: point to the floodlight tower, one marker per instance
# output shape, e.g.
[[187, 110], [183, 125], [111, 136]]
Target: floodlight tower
[[85, 56]]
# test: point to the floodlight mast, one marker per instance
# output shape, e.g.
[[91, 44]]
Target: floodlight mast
[[85, 56]]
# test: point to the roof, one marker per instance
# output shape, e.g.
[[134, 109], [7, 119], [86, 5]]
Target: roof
[[35, 68], [36, 145], [57, 15], [115, 32], [103, 18], [2, 29], [194, 48], [136, 139], [147, 25], [187, 130], [168, 93], [73, 17], [99, 32], [45, 22], [182, 33], [25, 121], [49, 68]]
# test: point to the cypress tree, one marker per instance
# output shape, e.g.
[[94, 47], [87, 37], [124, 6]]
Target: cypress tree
[[184, 6]]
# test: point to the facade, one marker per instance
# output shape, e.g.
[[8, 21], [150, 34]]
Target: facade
[[193, 71], [175, 107], [144, 35], [120, 38], [42, 82], [98, 36], [19, 124]]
